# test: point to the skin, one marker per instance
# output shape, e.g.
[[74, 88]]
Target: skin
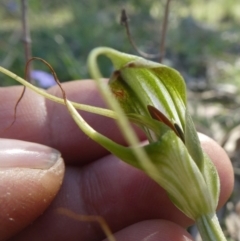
[[95, 182]]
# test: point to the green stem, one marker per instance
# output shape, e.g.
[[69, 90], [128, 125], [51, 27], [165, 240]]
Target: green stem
[[209, 228], [88, 108]]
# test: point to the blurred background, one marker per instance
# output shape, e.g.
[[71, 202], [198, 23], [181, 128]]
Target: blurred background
[[202, 42]]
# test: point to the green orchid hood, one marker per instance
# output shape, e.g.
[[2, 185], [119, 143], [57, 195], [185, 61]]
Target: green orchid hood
[[154, 96]]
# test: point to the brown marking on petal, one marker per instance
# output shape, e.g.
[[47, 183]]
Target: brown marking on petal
[[179, 131], [115, 76], [158, 115], [116, 73], [131, 65], [119, 93]]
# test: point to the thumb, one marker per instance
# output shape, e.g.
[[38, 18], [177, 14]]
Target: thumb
[[30, 177]]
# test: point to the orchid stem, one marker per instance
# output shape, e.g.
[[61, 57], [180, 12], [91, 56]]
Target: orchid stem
[[91, 109], [209, 228]]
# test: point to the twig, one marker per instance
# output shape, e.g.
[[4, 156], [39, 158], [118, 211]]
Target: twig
[[26, 37], [164, 31], [28, 56], [124, 22]]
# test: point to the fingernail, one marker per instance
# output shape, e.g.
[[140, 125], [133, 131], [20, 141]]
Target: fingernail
[[15, 153]]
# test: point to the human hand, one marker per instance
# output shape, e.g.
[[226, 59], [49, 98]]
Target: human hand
[[95, 182]]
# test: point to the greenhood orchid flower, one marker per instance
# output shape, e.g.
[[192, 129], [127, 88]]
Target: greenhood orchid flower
[[153, 96]]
